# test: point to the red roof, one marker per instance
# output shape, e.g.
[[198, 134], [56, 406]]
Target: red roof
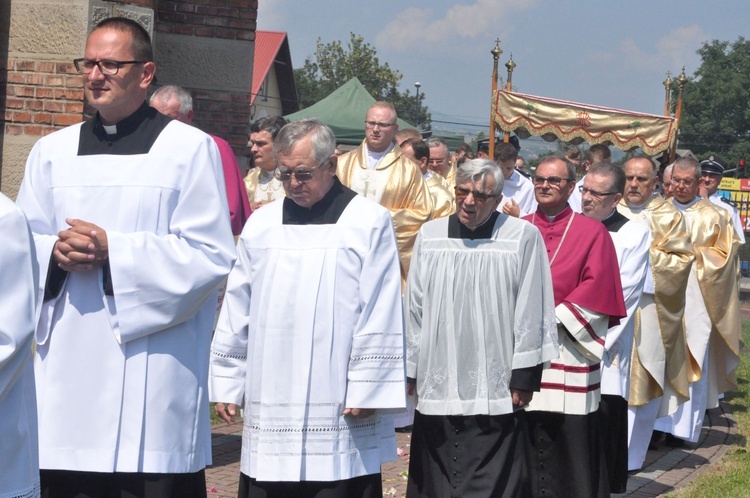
[[267, 46]]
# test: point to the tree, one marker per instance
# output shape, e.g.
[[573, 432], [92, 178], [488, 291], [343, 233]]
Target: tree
[[716, 102], [332, 65]]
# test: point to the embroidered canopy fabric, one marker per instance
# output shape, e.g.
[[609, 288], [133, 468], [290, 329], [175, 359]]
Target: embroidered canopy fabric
[[551, 119]]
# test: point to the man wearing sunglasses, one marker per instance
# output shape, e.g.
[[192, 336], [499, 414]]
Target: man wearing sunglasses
[[601, 191], [480, 324], [133, 238], [379, 171], [567, 454], [310, 335]]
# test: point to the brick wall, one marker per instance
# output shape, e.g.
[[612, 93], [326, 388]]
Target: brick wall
[[228, 19], [42, 96], [226, 114]]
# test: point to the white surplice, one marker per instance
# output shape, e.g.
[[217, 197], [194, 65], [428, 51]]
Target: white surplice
[[734, 214], [19, 273], [520, 189], [632, 243], [122, 379], [477, 310], [576, 199], [312, 323]]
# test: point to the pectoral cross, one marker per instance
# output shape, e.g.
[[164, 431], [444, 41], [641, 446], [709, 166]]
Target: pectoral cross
[[366, 177]]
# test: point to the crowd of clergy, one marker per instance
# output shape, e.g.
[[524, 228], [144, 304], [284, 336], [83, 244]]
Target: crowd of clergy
[[536, 332]]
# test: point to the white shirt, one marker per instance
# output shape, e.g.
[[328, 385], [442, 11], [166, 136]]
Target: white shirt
[[520, 189], [735, 215]]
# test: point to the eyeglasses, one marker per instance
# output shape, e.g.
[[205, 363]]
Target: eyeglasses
[[553, 181], [107, 67], [594, 193], [302, 176], [688, 182], [372, 124], [480, 197]]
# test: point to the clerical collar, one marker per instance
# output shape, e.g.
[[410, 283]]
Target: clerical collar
[[457, 230], [684, 207], [326, 211], [135, 134], [373, 158], [615, 221], [127, 125], [562, 214], [641, 207], [266, 176]]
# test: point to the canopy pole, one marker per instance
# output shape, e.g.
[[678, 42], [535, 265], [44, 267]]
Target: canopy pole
[[496, 53], [667, 105], [509, 87], [681, 80]]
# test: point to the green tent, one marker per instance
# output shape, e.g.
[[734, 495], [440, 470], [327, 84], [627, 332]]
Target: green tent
[[344, 111]]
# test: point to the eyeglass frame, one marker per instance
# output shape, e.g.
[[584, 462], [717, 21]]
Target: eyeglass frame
[[594, 193], [479, 197], [77, 63], [278, 173], [552, 181], [370, 125], [683, 181]]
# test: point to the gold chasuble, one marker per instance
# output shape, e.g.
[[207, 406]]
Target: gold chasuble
[[397, 184], [716, 246], [262, 187], [450, 175], [658, 360], [443, 198]]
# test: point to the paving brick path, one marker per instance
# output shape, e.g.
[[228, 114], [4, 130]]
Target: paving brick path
[[665, 469]]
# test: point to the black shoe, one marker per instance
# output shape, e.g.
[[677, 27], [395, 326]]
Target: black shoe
[[674, 442], [655, 438]]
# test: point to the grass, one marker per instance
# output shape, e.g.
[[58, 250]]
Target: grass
[[730, 477]]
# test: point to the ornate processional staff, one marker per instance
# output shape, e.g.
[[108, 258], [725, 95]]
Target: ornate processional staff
[[496, 53], [509, 87], [681, 80]]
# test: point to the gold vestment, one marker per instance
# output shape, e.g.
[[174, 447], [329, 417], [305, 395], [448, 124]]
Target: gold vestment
[[716, 245], [398, 185], [671, 257], [443, 198], [262, 187]]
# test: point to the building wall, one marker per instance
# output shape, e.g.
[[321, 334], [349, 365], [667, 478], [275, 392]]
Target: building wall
[[203, 45], [272, 105]]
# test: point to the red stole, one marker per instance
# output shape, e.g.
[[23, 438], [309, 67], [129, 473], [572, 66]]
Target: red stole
[[585, 271]]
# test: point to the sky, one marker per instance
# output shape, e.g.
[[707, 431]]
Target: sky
[[607, 53]]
